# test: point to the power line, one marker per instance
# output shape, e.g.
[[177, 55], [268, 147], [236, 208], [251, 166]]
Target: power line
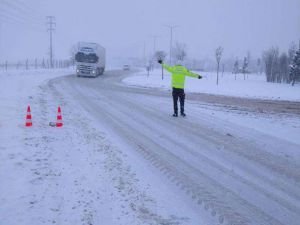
[[24, 6], [6, 17], [19, 13], [20, 9], [51, 27], [13, 15]]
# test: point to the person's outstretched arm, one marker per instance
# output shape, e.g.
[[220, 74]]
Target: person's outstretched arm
[[167, 67], [190, 74]]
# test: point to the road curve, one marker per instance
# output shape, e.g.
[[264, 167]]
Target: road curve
[[240, 176]]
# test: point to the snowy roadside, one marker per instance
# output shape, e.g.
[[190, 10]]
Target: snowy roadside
[[254, 86], [19, 160], [281, 126], [286, 127], [48, 174], [76, 174], [17, 89]]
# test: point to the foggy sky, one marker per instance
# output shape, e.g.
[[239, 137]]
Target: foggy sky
[[123, 26]]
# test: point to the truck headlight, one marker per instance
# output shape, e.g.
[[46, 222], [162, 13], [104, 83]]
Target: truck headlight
[[94, 71]]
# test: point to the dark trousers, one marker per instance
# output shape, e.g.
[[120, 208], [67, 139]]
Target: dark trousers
[[178, 93]]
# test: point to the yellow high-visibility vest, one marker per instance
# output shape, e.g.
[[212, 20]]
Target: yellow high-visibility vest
[[178, 75]]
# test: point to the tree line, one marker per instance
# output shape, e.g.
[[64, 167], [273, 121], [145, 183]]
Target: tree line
[[35, 64], [278, 65]]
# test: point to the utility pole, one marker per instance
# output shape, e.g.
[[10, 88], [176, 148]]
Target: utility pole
[[171, 40], [154, 42], [144, 54], [51, 27], [0, 36]]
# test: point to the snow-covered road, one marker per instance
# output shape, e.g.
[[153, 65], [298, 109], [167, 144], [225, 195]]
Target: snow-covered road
[[122, 159], [238, 174]]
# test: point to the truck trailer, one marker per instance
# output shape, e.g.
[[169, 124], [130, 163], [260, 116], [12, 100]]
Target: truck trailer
[[90, 59]]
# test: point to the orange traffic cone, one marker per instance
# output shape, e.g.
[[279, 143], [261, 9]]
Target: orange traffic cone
[[59, 122], [28, 118]]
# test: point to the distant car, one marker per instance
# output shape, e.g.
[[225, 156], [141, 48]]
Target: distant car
[[126, 67]]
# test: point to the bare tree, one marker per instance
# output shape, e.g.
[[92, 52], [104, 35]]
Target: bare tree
[[249, 58], [160, 55], [43, 64], [295, 68], [73, 51], [271, 63], [179, 51], [245, 67], [277, 65], [236, 68], [219, 52], [291, 52], [150, 65], [283, 75], [35, 63], [27, 64], [148, 70], [258, 65]]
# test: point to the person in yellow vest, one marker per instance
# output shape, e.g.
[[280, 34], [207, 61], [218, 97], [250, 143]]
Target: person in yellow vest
[[179, 73]]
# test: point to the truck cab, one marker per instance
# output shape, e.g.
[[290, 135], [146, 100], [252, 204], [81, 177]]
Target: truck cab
[[90, 60]]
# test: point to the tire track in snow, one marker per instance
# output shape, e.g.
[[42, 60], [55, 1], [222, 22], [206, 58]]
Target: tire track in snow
[[125, 183], [123, 103], [181, 180]]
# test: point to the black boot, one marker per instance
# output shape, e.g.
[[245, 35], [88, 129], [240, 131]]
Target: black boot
[[175, 115], [182, 114]]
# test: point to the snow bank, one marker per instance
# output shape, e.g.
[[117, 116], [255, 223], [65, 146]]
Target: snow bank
[[254, 86], [17, 89]]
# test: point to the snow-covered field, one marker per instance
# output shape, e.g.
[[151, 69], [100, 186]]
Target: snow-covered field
[[121, 159], [254, 86]]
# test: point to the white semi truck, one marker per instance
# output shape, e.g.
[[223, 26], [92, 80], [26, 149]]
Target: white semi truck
[[90, 59]]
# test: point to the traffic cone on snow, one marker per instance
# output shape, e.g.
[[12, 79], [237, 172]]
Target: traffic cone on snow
[[28, 122], [59, 122]]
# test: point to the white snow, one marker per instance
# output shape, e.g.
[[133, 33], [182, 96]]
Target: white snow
[[254, 86], [280, 126], [78, 174], [285, 127], [85, 174]]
